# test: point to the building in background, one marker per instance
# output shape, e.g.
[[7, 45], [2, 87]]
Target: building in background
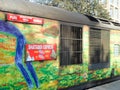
[[113, 7], [40, 1]]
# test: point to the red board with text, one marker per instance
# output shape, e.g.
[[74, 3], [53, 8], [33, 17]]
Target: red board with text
[[24, 19], [36, 52]]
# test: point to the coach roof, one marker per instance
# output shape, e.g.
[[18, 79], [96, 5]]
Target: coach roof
[[50, 12], [33, 9]]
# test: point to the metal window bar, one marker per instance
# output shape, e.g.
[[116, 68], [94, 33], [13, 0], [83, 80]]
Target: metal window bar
[[70, 45], [99, 46]]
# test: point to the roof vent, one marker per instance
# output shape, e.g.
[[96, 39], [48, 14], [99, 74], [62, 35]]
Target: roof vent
[[104, 21], [92, 18], [116, 24]]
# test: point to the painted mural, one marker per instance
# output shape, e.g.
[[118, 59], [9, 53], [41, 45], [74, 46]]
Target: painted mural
[[7, 50], [16, 72], [21, 41]]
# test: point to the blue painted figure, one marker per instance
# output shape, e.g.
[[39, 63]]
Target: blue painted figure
[[21, 41]]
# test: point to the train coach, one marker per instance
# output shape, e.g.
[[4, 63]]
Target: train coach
[[47, 48]]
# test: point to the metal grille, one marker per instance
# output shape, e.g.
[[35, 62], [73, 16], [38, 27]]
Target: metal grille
[[95, 46], [99, 48], [70, 45]]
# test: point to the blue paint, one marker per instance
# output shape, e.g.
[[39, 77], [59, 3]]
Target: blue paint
[[25, 74], [18, 59], [11, 29], [32, 71]]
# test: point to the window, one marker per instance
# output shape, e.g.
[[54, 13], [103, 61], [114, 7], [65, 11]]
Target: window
[[111, 1], [116, 13], [116, 50], [70, 45], [116, 2], [103, 1], [99, 48], [111, 11]]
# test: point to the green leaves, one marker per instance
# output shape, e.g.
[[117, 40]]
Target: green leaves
[[88, 7]]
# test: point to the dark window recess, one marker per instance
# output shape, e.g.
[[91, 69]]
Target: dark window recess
[[99, 48], [70, 45]]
